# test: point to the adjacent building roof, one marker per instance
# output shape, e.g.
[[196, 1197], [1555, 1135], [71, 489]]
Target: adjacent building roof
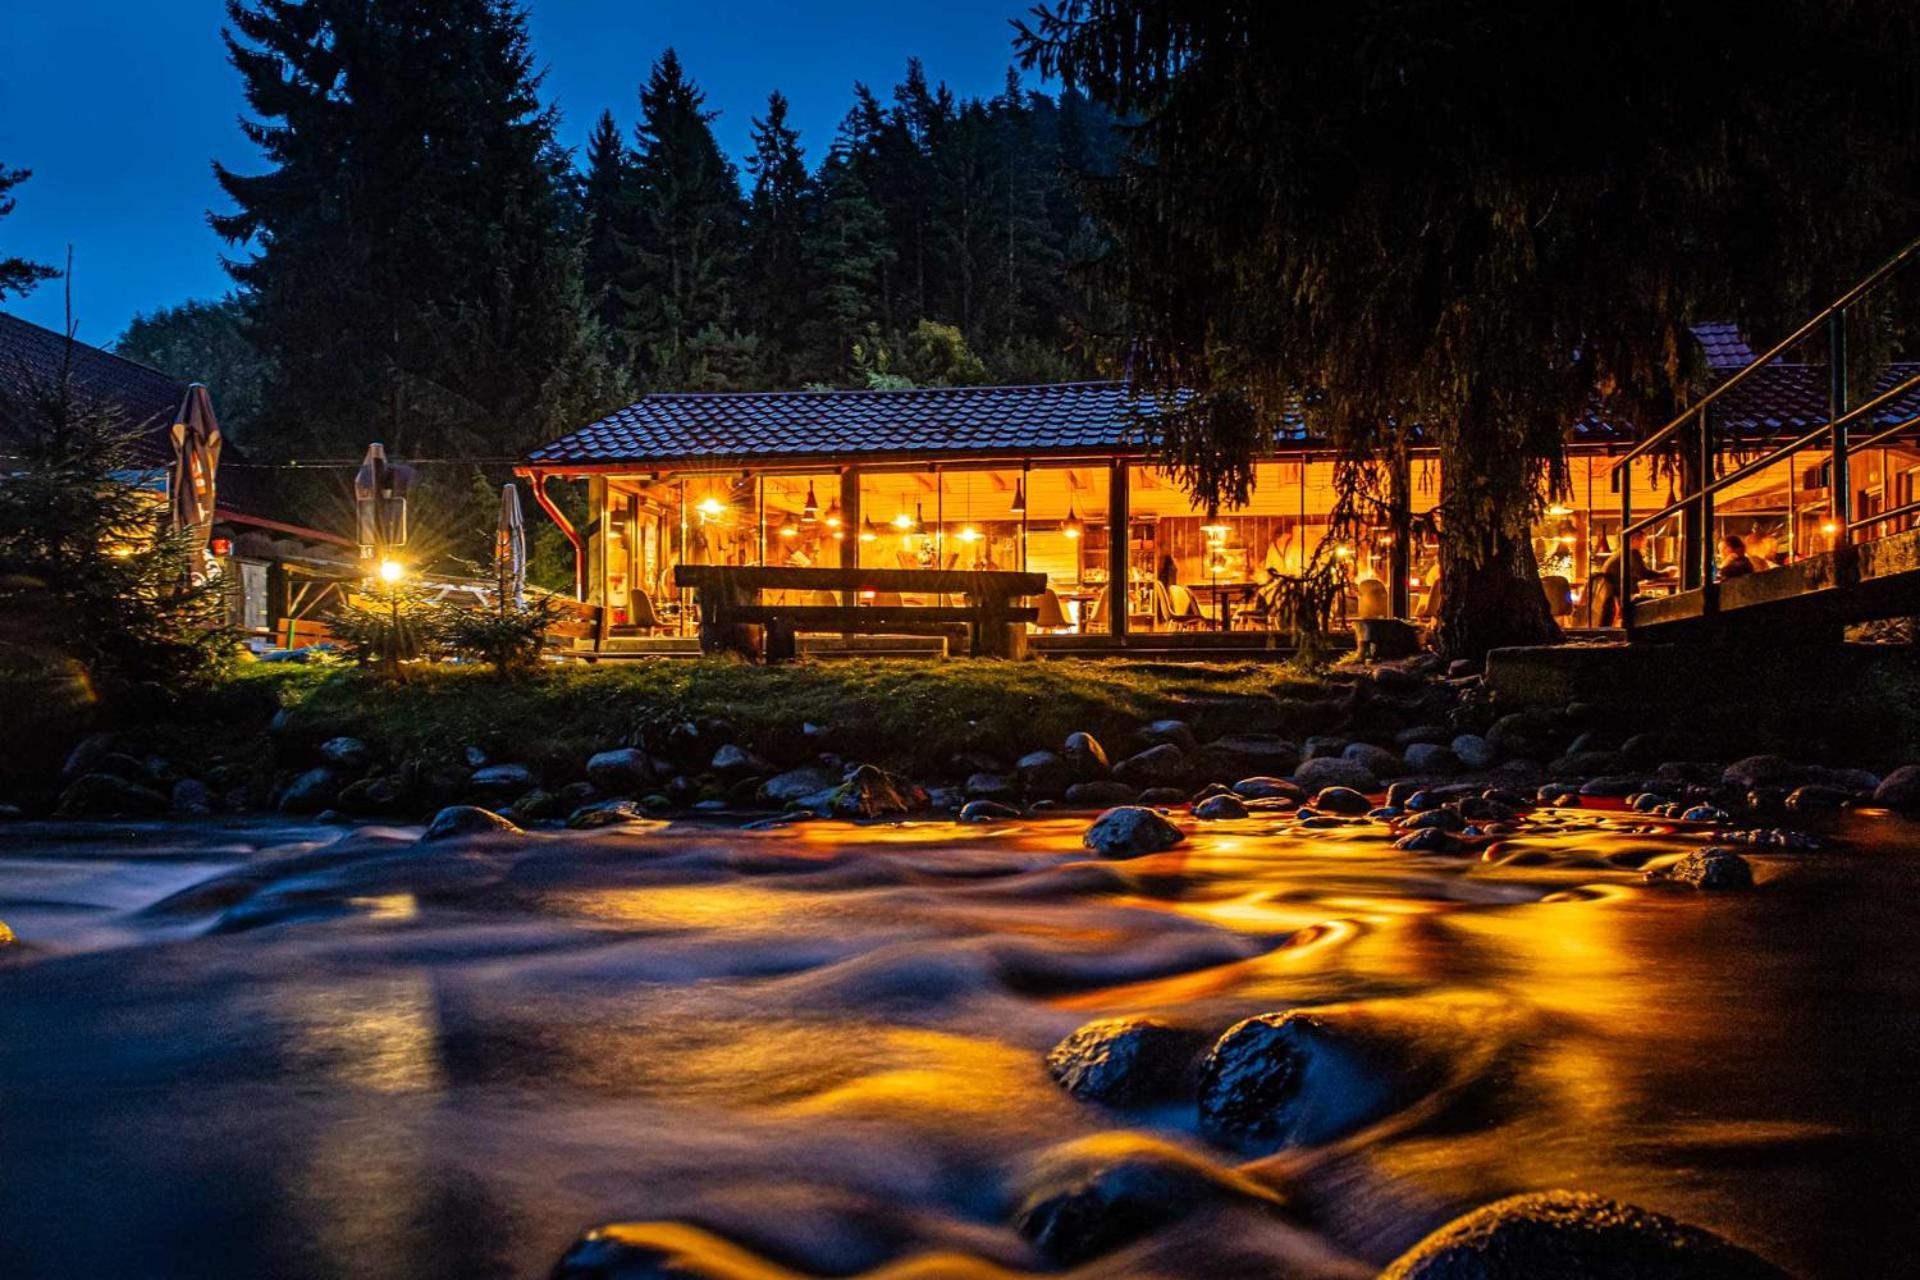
[[32, 357]]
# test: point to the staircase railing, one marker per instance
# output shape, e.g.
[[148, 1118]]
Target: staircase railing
[[1835, 431]]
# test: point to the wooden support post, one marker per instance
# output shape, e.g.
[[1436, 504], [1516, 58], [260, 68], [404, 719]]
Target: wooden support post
[[1840, 481], [850, 528], [1709, 545], [1119, 570], [1400, 558]]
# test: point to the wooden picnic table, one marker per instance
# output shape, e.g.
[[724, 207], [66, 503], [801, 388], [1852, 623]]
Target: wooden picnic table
[[728, 597]]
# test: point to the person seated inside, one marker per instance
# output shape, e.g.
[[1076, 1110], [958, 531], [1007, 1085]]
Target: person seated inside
[[1763, 550], [1603, 589], [1733, 558]]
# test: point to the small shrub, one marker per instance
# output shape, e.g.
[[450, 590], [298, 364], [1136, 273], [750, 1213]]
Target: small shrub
[[508, 638]]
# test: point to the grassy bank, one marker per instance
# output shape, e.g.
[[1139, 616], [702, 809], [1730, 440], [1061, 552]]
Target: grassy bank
[[904, 714]]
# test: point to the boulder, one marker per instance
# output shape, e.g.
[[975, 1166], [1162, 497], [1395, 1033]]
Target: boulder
[[1129, 831], [733, 762], [1332, 771], [1100, 794], [1709, 869], [1220, 808], [1857, 780], [872, 792], [1436, 734], [370, 796], [1043, 774], [1586, 764], [1321, 745], [610, 813], [511, 779], [623, 771], [1763, 771], [1378, 761], [467, 820], [191, 796], [1085, 756], [1613, 786], [991, 786], [987, 811], [1431, 757], [1251, 1078], [1161, 765], [1242, 755], [1900, 789], [536, 804], [798, 784], [107, 795], [1264, 788], [1175, 732], [1814, 797], [1434, 820], [312, 791], [348, 754], [1429, 840], [1687, 773], [1551, 1234], [1342, 800], [1089, 1196], [1523, 733], [1474, 751], [1124, 1062], [1162, 797]]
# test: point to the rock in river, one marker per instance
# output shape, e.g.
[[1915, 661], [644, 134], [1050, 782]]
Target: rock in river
[[610, 813], [1342, 800], [623, 771], [1220, 808], [1241, 755], [1710, 869], [1156, 766], [987, 811], [798, 784], [345, 753], [467, 820], [1086, 1197], [1085, 756], [1305, 1076], [1124, 1062], [1900, 789], [1329, 771], [311, 792], [1098, 794], [1042, 773], [103, 795], [1552, 1234], [1129, 831]]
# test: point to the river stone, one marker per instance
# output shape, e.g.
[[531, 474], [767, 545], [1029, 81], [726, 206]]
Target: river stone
[[1434, 820], [370, 796], [1323, 745], [1333, 771], [106, 795], [990, 786], [1378, 761], [1710, 869], [871, 792], [1100, 794], [733, 762], [1250, 1079], [1177, 732], [1855, 780], [350, 754], [1087, 1197], [1342, 800], [1085, 756], [1160, 765], [1614, 786], [513, 778], [1241, 755], [798, 784], [1560, 1235], [1813, 797], [1264, 788], [311, 792], [1042, 773], [1130, 831], [191, 796], [1586, 764], [467, 820], [1763, 771], [1474, 751], [1220, 808], [1124, 1062], [987, 811], [1429, 840], [622, 771], [1431, 757], [1435, 734], [1900, 789], [610, 813], [1162, 797]]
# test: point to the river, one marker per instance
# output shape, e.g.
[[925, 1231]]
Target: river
[[247, 1048]]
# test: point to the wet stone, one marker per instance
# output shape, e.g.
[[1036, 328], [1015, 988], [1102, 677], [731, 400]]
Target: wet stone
[[1162, 797], [621, 771], [1130, 831], [798, 784], [1251, 1078], [1429, 840], [1124, 1062], [1708, 869], [1900, 789], [1156, 766], [1378, 761], [1341, 800], [1567, 1233], [987, 811], [1177, 733], [609, 813], [467, 820], [1085, 756], [1817, 798], [1220, 808], [1326, 771], [311, 792], [1474, 751], [1042, 773], [106, 795], [1099, 794], [1264, 788], [345, 753]]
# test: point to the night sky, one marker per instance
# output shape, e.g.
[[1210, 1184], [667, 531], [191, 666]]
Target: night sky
[[119, 105]]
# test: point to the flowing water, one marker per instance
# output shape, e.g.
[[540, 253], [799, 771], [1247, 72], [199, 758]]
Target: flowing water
[[245, 1049]]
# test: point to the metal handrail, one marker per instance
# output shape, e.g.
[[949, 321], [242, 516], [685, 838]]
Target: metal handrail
[[1839, 424], [1780, 348], [1880, 437]]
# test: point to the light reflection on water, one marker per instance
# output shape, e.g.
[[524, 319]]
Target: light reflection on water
[[822, 1045]]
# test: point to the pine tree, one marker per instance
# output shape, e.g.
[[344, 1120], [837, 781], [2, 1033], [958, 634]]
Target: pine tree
[[411, 273], [18, 276], [847, 254], [210, 342], [773, 275], [605, 200], [687, 215]]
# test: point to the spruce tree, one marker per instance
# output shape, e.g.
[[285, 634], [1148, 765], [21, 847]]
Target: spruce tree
[[605, 202], [848, 256], [18, 276], [410, 270], [686, 213], [773, 275]]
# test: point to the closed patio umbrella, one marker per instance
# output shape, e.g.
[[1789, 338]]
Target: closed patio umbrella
[[510, 548], [196, 463]]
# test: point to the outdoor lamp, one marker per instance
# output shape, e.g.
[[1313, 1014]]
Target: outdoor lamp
[[391, 571]]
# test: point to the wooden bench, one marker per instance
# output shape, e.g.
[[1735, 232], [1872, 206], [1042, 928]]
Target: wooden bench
[[731, 610], [577, 620]]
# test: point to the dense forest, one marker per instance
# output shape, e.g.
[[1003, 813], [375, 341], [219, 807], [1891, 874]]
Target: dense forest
[[436, 270]]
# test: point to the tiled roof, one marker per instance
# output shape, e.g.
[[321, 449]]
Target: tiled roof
[[1777, 401], [762, 426], [33, 357], [1724, 345]]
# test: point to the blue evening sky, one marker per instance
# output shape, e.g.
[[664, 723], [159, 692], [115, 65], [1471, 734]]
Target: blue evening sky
[[118, 106]]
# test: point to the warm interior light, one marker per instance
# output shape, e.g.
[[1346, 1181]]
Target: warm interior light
[[811, 511], [866, 531], [1343, 552], [391, 571], [903, 522], [789, 531], [1559, 509], [1019, 507], [1071, 528], [712, 507], [1829, 528], [968, 534], [1566, 539]]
